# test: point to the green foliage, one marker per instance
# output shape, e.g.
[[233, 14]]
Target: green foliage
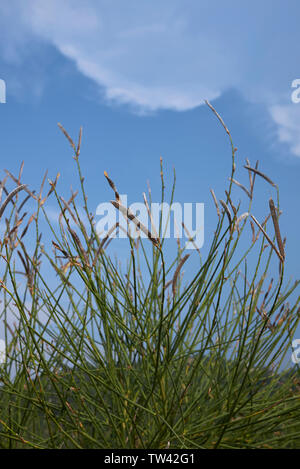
[[136, 359]]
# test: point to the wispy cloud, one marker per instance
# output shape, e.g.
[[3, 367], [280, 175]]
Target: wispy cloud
[[171, 54], [287, 119]]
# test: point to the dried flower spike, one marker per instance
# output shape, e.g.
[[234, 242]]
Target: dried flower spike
[[112, 185], [268, 238], [276, 228], [174, 281], [130, 216], [10, 197], [259, 173]]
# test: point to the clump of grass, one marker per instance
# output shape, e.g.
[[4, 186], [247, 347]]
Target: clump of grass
[[104, 357]]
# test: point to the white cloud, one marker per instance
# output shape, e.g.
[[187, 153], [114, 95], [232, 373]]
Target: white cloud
[[287, 119], [170, 54], [151, 55]]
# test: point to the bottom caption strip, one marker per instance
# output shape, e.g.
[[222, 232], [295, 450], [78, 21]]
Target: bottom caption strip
[[143, 457]]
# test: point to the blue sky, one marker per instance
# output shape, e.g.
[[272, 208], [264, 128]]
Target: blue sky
[[135, 75]]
